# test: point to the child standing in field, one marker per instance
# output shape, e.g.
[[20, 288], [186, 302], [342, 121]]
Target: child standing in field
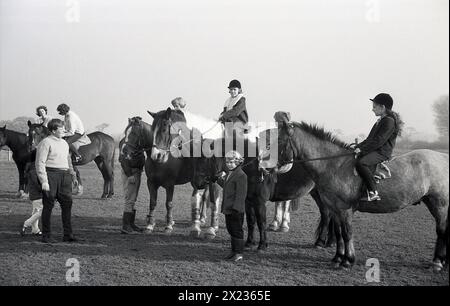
[[233, 205]]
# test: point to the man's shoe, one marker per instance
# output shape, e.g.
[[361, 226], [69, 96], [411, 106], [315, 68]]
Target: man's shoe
[[46, 239], [70, 238], [229, 256], [23, 231], [371, 196], [237, 257]]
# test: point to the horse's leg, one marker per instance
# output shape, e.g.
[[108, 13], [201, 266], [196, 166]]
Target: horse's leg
[[204, 206], [21, 169], [323, 229], [214, 206], [109, 180], [260, 213], [347, 234], [110, 170], [286, 217], [439, 209], [153, 190], [340, 247], [277, 219], [169, 207], [196, 200], [103, 169], [251, 221]]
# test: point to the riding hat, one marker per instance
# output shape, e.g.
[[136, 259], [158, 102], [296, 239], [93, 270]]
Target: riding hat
[[384, 99], [234, 84]]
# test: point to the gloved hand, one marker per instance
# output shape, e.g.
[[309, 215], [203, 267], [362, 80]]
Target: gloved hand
[[357, 151], [45, 187]]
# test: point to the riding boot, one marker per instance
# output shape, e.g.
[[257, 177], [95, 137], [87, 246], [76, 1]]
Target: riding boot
[[126, 223], [134, 226], [233, 248], [238, 250]]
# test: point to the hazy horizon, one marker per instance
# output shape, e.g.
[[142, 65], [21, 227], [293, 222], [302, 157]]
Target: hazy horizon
[[320, 60]]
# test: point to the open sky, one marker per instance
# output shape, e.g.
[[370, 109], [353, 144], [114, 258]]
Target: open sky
[[319, 59]]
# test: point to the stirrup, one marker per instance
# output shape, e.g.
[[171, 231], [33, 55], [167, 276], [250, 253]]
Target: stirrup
[[371, 196]]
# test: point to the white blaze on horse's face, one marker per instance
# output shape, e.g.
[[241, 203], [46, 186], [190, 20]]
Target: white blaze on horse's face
[[158, 155]]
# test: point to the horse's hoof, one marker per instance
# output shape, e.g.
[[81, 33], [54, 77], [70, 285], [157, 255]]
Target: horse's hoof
[[109, 196], [437, 267], [319, 244], [149, 229], [346, 265], [284, 229], [262, 247], [168, 230], [202, 222], [249, 244], [209, 236], [273, 227]]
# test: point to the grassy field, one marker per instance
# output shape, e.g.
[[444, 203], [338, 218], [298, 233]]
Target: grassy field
[[403, 243]]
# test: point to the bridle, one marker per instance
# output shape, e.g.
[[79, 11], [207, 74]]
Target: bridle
[[139, 147], [294, 160]]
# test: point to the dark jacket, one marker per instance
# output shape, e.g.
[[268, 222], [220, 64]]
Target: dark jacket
[[382, 137], [234, 191], [237, 113], [134, 165]]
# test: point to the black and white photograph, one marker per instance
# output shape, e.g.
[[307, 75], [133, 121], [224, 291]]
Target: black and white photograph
[[224, 150]]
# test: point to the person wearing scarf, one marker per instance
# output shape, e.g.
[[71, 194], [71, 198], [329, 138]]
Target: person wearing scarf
[[234, 110]]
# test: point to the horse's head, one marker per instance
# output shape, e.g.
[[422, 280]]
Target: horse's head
[[3, 137], [165, 129], [36, 132], [133, 141], [207, 168], [285, 142]]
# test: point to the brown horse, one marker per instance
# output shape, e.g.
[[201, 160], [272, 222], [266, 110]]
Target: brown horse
[[101, 150], [164, 170], [18, 144], [417, 176]]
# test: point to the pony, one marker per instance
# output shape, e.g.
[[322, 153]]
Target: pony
[[418, 176], [101, 150], [18, 144], [164, 170], [276, 187]]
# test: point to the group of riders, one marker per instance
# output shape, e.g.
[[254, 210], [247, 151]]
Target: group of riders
[[375, 149]]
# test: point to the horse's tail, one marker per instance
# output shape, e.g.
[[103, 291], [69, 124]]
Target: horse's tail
[[295, 204]]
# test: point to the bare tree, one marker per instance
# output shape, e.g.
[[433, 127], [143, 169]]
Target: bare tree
[[440, 109]]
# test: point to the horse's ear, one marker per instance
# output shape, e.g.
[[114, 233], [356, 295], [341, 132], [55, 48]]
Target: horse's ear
[[29, 123], [4, 127], [151, 114], [168, 113], [129, 120]]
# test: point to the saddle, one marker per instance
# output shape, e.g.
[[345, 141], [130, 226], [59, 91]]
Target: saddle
[[380, 172], [84, 140]]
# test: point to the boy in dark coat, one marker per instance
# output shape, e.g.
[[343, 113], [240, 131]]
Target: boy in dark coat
[[378, 146], [233, 205]]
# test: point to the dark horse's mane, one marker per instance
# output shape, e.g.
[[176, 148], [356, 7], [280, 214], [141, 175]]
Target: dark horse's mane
[[320, 133], [175, 115]]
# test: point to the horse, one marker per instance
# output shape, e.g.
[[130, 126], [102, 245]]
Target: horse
[[101, 150], [289, 186], [18, 144], [417, 176], [164, 170]]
